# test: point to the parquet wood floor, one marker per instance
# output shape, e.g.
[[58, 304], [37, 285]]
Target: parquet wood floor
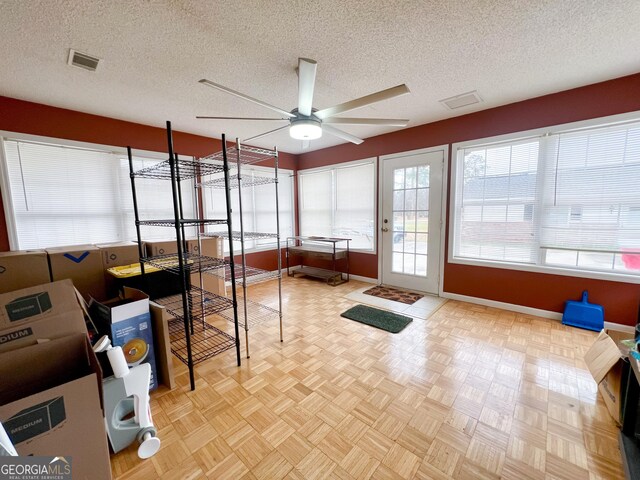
[[471, 393]]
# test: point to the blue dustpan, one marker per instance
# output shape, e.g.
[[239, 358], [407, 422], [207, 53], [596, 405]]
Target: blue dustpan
[[583, 314]]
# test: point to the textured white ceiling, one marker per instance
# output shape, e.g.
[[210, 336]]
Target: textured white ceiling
[[154, 53]]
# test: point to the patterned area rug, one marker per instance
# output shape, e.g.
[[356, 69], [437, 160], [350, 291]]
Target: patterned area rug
[[394, 294]]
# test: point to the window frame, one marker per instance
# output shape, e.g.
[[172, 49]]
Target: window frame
[[282, 172], [457, 154], [9, 211], [335, 166]]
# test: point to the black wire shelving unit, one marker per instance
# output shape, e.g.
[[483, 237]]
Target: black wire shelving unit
[[193, 339], [250, 313], [192, 262]]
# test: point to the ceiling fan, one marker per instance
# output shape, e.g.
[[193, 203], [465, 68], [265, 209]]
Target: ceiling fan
[[307, 123]]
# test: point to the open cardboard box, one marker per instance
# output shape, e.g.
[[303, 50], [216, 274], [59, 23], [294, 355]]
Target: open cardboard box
[[127, 321], [608, 367], [50, 398]]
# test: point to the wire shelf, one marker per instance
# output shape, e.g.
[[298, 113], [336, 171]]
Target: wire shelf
[[187, 169], [200, 302], [236, 235], [257, 313], [247, 181], [206, 341], [248, 155], [192, 262], [187, 222], [253, 275]]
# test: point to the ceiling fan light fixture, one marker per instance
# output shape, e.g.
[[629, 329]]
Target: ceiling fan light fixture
[[305, 129]]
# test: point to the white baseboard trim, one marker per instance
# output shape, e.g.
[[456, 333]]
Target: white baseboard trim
[[351, 275], [619, 327], [364, 279], [526, 310]]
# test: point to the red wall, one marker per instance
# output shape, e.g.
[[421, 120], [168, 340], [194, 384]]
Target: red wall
[[535, 290], [37, 119]]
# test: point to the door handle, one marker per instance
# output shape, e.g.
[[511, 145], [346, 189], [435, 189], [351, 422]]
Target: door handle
[[385, 229]]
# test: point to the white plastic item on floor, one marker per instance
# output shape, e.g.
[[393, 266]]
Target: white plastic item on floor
[[125, 393]]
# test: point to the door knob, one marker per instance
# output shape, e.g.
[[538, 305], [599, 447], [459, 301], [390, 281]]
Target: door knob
[[385, 229]]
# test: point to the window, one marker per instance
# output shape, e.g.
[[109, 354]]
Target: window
[[57, 195], [340, 201], [567, 199], [258, 206]]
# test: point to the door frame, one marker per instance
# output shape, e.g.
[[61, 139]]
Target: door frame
[[443, 204]]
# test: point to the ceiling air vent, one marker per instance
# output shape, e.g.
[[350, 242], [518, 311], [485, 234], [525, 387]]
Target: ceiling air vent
[[83, 60], [462, 100]]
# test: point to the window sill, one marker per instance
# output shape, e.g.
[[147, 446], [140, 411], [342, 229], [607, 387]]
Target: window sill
[[249, 251], [594, 274]]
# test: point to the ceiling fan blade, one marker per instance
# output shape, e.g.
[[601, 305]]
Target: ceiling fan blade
[[200, 117], [211, 84], [389, 122], [341, 134], [363, 101], [265, 133], [306, 82]]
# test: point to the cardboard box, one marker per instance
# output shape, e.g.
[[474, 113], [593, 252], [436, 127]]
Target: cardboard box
[[119, 253], [23, 269], [51, 404], [164, 247], [116, 255], [33, 421], [36, 313], [83, 265], [606, 363], [162, 344], [127, 321], [211, 247]]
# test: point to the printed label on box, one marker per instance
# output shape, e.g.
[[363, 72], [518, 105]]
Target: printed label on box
[[17, 335], [28, 306], [35, 420]]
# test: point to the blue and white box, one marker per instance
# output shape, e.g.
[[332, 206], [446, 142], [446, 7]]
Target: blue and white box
[[130, 327]]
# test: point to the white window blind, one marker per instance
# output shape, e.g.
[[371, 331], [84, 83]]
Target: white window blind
[[258, 206], [316, 203], [591, 200], [568, 199], [155, 201], [62, 195], [495, 203], [340, 201]]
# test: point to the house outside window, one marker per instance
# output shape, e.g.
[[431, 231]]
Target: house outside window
[[562, 199]]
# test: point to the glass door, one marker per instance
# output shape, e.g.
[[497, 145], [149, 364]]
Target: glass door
[[411, 206]]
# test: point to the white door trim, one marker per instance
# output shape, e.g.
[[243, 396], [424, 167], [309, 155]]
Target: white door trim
[[445, 189]]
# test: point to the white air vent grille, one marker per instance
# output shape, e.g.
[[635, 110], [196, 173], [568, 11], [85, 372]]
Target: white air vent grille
[[82, 60], [462, 100]]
